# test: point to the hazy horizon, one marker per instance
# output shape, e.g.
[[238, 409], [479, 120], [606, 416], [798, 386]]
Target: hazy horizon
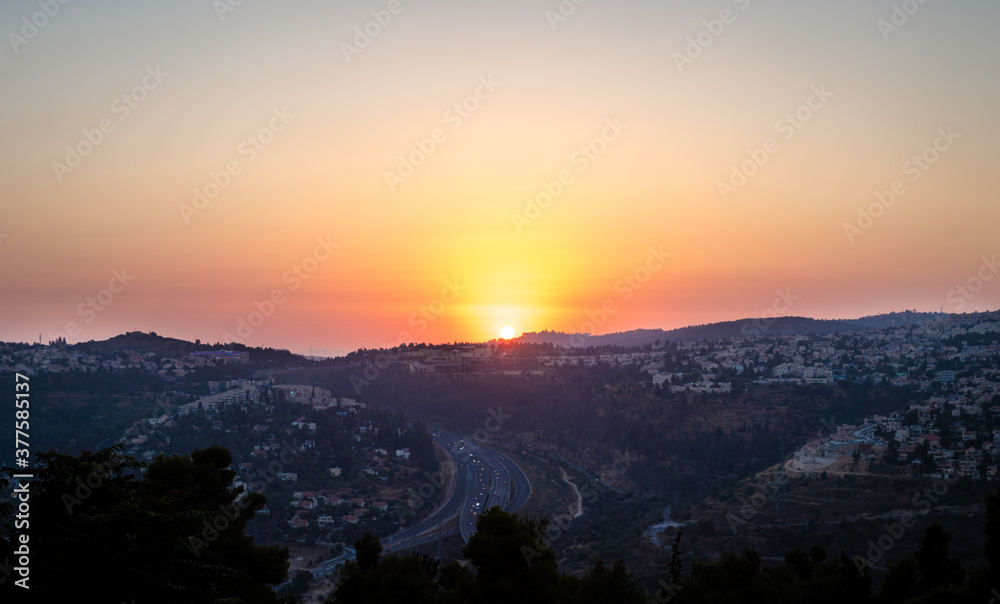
[[320, 351], [359, 174]]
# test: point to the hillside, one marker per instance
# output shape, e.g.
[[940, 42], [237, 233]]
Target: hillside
[[780, 326], [137, 341]]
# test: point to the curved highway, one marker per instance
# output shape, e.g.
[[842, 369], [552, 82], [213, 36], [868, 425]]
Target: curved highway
[[483, 478], [493, 480], [442, 515]]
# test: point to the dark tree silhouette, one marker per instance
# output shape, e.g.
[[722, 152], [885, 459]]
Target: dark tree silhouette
[[101, 533]]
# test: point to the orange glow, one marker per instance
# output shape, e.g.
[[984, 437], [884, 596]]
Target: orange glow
[[534, 204]]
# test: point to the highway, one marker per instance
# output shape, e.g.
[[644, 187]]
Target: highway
[[491, 481], [406, 538], [484, 478], [332, 565]]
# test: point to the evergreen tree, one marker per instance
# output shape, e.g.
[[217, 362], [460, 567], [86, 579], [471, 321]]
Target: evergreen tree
[[99, 532]]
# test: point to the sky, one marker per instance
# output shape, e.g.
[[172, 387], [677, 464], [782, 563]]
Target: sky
[[333, 175]]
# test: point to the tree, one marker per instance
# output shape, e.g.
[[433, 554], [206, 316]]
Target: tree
[[937, 568], [512, 562], [992, 546], [733, 578], [301, 581], [372, 579], [675, 560], [892, 451], [799, 561], [176, 536], [927, 575], [369, 551], [601, 585]]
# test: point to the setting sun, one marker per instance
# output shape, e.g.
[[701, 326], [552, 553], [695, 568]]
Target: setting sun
[[506, 332]]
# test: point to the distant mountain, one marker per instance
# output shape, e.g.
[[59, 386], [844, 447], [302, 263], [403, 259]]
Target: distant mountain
[[804, 326], [172, 347], [780, 326], [145, 342]]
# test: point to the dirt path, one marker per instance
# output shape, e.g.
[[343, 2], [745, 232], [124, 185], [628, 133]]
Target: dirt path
[[579, 498]]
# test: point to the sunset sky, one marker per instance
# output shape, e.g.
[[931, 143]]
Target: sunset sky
[[687, 161]]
